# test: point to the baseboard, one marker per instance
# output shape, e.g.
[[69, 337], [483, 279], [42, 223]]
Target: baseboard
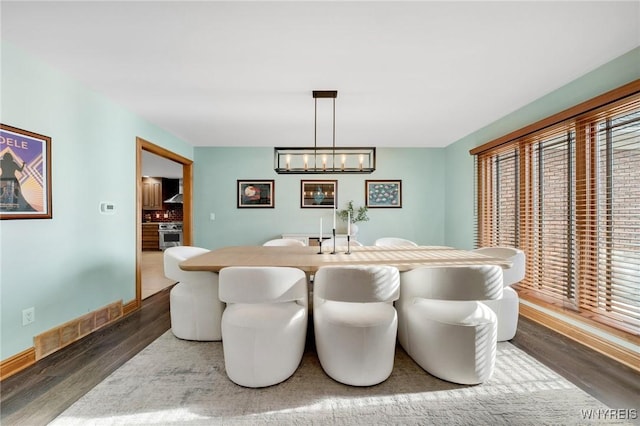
[[621, 354], [57, 338], [63, 335], [130, 307], [18, 362]]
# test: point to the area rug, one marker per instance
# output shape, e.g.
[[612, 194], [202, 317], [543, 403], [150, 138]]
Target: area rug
[[177, 382]]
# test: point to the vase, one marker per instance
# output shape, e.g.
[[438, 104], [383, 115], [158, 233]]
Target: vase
[[318, 196], [354, 230]]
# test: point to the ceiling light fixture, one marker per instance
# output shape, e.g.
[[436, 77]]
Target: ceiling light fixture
[[318, 160]]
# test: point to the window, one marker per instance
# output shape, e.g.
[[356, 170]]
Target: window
[[615, 291], [567, 192], [550, 220], [499, 203]]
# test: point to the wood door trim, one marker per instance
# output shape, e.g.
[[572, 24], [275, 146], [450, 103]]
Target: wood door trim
[[187, 203]]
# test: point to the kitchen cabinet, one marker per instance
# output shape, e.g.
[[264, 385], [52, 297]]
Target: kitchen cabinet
[[152, 193], [150, 237]]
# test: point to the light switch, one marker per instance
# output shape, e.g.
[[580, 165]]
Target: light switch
[[212, 216]]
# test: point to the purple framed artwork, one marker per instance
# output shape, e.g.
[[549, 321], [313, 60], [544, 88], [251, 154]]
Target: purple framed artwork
[[25, 178]]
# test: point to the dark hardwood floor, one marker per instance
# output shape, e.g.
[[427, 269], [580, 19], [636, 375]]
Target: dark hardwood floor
[[38, 394]]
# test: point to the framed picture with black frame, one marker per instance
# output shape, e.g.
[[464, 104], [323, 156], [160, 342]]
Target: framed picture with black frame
[[318, 194], [383, 193], [256, 193]]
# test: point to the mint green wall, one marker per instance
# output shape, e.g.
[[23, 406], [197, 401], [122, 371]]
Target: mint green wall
[[459, 163], [216, 171], [80, 260]]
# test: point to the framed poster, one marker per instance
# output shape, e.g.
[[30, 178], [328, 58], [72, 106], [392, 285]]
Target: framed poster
[[383, 193], [318, 193], [25, 177], [256, 194]]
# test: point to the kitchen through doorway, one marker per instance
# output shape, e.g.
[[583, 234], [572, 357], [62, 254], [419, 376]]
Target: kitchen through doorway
[[164, 213]]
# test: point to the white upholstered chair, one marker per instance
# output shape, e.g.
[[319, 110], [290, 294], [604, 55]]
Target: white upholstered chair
[[394, 241], [264, 325], [194, 305], [284, 242], [443, 326], [355, 323], [507, 307]]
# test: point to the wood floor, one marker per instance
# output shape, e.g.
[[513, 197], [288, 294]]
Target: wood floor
[[152, 273], [38, 394]]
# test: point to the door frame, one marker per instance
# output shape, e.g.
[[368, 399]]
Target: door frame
[[187, 202]]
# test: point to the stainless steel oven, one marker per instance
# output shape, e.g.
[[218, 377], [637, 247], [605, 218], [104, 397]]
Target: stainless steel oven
[[170, 234]]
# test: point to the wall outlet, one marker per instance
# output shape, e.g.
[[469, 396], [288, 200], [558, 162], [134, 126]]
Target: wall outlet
[[28, 316]]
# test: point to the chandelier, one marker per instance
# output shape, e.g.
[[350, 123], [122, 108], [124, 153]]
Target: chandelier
[[325, 159]]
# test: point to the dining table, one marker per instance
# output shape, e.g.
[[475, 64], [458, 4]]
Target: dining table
[[309, 258]]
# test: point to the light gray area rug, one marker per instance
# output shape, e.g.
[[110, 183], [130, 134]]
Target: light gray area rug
[[175, 382]]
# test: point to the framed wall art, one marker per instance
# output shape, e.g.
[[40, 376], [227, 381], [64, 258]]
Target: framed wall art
[[25, 180], [256, 194], [383, 193], [318, 193]]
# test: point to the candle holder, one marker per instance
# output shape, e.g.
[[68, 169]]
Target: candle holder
[[320, 245], [348, 244], [334, 241]]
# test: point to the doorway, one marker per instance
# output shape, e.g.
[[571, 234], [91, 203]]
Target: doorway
[[151, 263]]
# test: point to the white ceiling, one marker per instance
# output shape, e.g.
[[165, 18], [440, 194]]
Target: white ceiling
[[156, 166], [408, 74]]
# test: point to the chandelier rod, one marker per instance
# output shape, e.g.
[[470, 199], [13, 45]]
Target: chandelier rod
[[334, 133], [315, 133]]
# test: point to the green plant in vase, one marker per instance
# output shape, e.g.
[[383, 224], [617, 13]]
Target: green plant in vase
[[357, 215]]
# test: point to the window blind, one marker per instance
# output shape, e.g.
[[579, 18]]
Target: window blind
[[498, 204], [614, 291], [549, 217], [568, 194]]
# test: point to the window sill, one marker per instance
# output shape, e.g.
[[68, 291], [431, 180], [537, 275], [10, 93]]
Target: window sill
[[601, 344]]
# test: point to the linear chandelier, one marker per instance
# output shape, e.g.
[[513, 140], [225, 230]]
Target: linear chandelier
[[329, 159]]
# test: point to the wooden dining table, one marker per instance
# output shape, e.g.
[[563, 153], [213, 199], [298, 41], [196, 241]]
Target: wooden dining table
[[309, 260]]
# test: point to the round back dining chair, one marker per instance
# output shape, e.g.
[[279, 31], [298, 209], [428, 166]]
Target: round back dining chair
[[194, 306], [264, 325], [394, 241], [355, 323], [443, 326], [507, 308], [516, 272]]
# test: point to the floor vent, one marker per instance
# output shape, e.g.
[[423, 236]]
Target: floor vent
[[65, 334]]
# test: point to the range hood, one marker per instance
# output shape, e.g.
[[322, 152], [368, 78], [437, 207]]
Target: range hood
[[178, 197]]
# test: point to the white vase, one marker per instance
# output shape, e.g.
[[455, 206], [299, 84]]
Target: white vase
[[354, 230]]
